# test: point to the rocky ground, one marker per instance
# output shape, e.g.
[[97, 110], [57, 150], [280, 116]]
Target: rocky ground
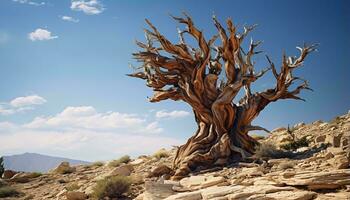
[[319, 171]]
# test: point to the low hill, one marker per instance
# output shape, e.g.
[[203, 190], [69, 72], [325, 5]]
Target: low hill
[[33, 162]]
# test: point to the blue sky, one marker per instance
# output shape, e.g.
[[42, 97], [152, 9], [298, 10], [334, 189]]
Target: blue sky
[[68, 60]]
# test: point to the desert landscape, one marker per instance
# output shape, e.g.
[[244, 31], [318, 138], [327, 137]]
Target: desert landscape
[[283, 167]]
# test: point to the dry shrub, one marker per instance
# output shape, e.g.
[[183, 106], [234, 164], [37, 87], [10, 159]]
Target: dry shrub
[[72, 187], [269, 150], [295, 144], [7, 191], [97, 164], [112, 187], [162, 153], [115, 163]]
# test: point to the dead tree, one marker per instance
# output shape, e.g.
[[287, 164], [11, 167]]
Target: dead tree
[[191, 74]]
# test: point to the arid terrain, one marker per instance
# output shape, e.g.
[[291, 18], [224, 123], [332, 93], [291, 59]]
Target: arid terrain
[[313, 165]]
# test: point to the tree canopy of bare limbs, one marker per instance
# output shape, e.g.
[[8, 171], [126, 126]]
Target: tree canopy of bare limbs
[[191, 74]]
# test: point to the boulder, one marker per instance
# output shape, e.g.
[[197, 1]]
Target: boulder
[[64, 168], [159, 171], [320, 139], [21, 177], [137, 161], [123, 170], [341, 162], [8, 174], [72, 195], [334, 139]]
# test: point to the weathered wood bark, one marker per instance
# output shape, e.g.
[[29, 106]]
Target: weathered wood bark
[[191, 75]]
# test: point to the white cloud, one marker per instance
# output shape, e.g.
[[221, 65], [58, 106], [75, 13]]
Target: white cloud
[[27, 101], [32, 3], [90, 7], [69, 19], [21, 104], [41, 34], [84, 133], [86, 117], [172, 114]]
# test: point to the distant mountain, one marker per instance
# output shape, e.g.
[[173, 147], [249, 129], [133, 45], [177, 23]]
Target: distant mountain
[[33, 162]]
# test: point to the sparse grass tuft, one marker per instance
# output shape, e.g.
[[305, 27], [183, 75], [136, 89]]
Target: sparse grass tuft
[[72, 187], [8, 192], [115, 163], [295, 144], [97, 164], [269, 150], [112, 187], [162, 153]]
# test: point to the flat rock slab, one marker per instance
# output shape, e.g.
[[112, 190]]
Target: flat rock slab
[[198, 182], [319, 180], [196, 195]]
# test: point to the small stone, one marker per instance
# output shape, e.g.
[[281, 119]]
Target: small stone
[[320, 139], [137, 161], [329, 155]]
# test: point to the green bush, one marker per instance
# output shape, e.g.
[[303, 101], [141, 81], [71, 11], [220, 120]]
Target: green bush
[[295, 144], [269, 150], [112, 187], [8, 192], [119, 161], [162, 153]]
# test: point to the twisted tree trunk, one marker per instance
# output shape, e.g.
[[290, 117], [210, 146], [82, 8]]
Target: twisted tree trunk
[[191, 75]]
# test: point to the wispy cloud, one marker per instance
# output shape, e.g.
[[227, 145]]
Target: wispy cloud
[[86, 117], [75, 130], [171, 114], [41, 34], [27, 101], [90, 7], [32, 3], [21, 104], [69, 19]]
